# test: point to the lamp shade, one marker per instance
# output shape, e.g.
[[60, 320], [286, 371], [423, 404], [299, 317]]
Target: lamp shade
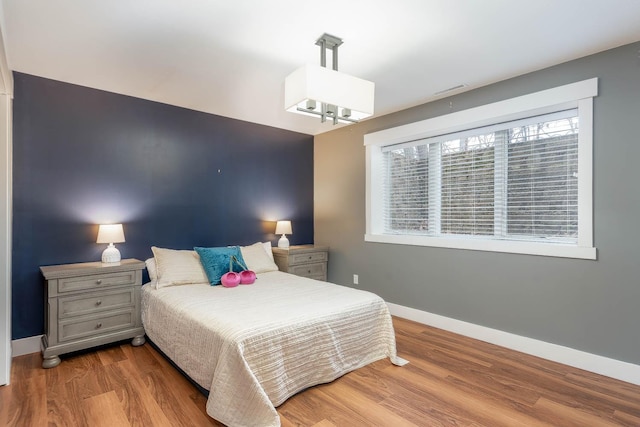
[[110, 233], [283, 227], [320, 84]]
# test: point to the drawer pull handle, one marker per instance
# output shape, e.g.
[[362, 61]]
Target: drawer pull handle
[[99, 325], [99, 282], [98, 303], [309, 271], [310, 257]]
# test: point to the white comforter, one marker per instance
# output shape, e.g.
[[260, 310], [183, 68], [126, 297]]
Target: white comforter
[[254, 346]]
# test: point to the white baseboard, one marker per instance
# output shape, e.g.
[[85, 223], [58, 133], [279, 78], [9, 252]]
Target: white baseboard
[[617, 369], [25, 346]]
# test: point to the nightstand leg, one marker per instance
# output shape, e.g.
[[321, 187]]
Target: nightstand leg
[[137, 341], [50, 362]]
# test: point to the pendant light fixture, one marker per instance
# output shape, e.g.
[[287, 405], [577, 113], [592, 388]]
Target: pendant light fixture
[[327, 93]]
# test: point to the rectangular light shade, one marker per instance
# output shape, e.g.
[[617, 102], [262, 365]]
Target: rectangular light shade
[[283, 227], [323, 85], [110, 233]]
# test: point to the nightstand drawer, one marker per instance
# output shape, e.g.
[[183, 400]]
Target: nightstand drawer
[[83, 327], [96, 302], [97, 281], [309, 270], [307, 258]]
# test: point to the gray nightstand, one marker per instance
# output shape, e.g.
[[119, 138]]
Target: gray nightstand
[[307, 260], [90, 304]]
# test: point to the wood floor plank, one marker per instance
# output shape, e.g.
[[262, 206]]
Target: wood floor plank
[[179, 385], [81, 374], [414, 398], [479, 405], [5, 399], [368, 382], [104, 410], [62, 407], [112, 354], [307, 408], [324, 423], [535, 374], [145, 358], [415, 403], [625, 392], [451, 380], [626, 419], [176, 400], [357, 402], [137, 402], [425, 416], [567, 392], [29, 403], [573, 417], [285, 422], [27, 366]]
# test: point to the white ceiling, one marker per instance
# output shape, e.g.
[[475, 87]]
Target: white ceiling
[[231, 57]]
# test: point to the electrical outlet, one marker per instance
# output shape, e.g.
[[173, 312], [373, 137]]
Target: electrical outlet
[[355, 279]]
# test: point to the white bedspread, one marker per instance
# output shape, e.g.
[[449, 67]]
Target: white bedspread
[[254, 346]]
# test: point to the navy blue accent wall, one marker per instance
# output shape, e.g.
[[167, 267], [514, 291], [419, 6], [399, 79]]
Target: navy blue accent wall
[[174, 177]]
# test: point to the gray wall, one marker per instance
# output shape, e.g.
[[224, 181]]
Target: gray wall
[[586, 305]]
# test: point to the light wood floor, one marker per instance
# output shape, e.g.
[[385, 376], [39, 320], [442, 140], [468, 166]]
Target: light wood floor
[[451, 381]]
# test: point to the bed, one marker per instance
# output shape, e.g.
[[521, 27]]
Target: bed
[[256, 345]]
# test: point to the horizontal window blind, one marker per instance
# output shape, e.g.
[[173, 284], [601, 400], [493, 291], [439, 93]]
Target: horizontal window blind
[[467, 185], [515, 180], [407, 190]]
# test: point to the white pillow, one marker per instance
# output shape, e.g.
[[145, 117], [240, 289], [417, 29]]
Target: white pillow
[[151, 268], [257, 258], [267, 248], [176, 267]]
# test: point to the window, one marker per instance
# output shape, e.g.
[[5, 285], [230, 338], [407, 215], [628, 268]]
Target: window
[[514, 176]]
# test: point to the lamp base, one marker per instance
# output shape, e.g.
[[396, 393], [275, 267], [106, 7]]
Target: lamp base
[[111, 254], [283, 242]]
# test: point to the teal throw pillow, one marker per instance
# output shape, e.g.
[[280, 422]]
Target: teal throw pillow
[[215, 261]]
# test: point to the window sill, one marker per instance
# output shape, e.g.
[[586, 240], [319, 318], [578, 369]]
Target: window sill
[[514, 247]]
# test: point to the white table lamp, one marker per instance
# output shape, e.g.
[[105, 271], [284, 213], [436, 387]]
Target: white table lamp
[[110, 233], [283, 227]]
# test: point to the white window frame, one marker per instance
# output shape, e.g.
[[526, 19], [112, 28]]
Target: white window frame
[[576, 95]]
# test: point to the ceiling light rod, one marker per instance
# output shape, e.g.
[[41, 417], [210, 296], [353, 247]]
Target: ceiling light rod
[[327, 41], [341, 97]]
